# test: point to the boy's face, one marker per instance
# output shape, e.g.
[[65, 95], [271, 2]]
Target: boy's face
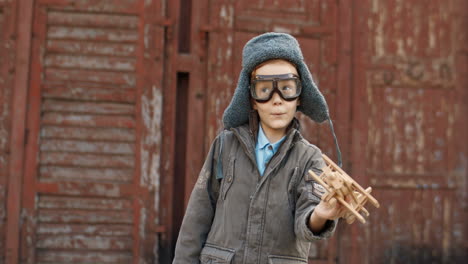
[[277, 113]]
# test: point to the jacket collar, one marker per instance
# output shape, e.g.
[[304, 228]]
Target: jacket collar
[[247, 134]]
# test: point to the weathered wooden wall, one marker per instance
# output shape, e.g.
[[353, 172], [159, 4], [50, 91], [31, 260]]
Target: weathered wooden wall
[[7, 66], [107, 109], [87, 104], [410, 123]]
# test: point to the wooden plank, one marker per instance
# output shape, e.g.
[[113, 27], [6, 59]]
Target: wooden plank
[[87, 147], [5, 99], [87, 160], [63, 18], [87, 107], [114, 230], [87, 134], [85, 188], [113, 78], [52, 173], [64, 202], [152, 67], [47, 256], [81, 92], [3, 215], [85, 216], [106, 6], [22, 9], [60, 61], [61, 119], [90, 48], [83, 242], [92, 34]]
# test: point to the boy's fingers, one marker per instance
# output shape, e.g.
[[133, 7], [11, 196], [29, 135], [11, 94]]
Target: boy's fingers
[[332, 203]]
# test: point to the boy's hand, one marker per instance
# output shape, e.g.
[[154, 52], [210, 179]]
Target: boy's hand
[[330, 210], [324, 211]]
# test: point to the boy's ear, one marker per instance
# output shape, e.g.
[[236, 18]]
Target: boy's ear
[[253, 104], [298, 102]]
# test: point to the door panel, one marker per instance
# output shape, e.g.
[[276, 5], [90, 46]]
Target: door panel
[[413, 156], [93, 130]]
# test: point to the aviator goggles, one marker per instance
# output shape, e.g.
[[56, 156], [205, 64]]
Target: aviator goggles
[[262, 87]]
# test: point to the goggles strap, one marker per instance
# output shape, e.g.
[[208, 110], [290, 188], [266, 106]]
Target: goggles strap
[[338, 152]]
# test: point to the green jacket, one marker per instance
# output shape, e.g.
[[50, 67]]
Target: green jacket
[[247, 218]]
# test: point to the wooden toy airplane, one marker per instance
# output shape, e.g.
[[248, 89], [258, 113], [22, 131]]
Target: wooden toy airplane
[[338, 185]]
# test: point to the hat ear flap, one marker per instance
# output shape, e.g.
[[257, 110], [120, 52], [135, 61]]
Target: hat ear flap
[[237, 113], [313, 103]]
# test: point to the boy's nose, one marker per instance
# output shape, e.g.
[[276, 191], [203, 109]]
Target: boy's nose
[[276, 99]]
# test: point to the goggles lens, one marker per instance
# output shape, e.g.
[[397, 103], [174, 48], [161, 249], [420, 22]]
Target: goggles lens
[[288, 87]]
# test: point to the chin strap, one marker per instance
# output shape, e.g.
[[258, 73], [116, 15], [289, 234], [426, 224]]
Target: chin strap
[[338, 152]]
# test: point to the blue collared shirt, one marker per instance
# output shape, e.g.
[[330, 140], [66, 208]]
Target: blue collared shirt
[[264, 150]]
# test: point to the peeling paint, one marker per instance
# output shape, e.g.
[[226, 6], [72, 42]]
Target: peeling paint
[[152, 108]]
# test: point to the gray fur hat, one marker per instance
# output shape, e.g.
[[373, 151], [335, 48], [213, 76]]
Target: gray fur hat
[[265, 47]]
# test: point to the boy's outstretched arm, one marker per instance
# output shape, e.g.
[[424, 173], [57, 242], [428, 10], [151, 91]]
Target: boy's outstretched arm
[[314, 219]]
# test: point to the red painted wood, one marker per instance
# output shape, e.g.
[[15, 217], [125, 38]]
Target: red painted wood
[[7, 72], [404, 101], [169, 51], [24, 10], [88, 115]]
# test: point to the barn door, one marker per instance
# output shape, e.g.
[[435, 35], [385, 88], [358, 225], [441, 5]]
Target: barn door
[[413, 114], [322, 29], [93, 132]]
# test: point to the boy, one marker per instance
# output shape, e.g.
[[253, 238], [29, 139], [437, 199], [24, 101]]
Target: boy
[[254, 201]]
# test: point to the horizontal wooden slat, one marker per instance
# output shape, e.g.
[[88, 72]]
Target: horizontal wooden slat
[[85, 216], [48, 173], [87, 107], [86, 229], [91, 48], [88, 120], [90, 62], [87, 147], [87, 160], [84, 242], [64, 202], [116, 134], [47, 256], [85, 188], [92, 34], [106, 6], [111, 78], [83, 93], [92, 19]]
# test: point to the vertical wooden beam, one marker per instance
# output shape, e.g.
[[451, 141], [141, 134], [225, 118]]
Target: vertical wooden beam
[[196, 97], [138, 221], [350, 251], [24, 17], [168, 129]]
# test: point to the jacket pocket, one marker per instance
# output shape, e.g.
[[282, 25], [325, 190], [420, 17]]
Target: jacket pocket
[[212, 254], [228, 179], [275, 259]]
